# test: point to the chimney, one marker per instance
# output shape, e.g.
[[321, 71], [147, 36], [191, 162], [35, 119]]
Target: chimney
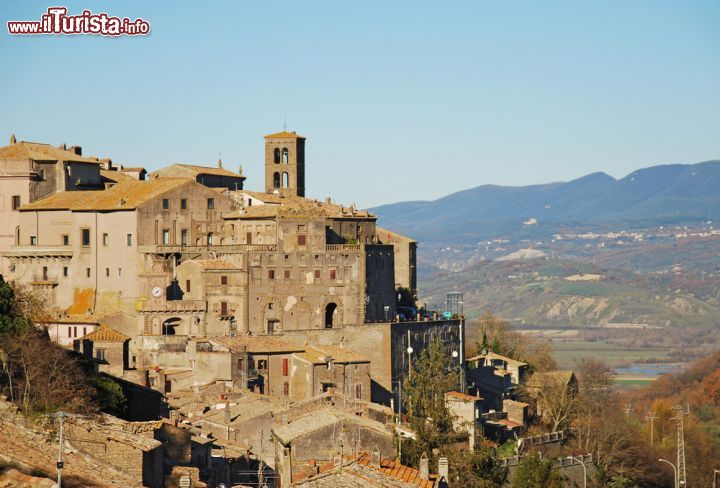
[[375, 458], [76, 149], [424, 467], [443, 469]]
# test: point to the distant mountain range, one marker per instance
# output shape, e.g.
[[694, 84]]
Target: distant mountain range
[[665, 194]]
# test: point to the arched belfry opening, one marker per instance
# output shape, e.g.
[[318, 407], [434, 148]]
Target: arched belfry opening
[[286, 148], [170, 326], [330, 314]]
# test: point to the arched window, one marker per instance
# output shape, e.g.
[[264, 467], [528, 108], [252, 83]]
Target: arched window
[[210, 238], [329, 314], [285, 181], [277, 155], [285, 155], [169, 326], [276, 180]]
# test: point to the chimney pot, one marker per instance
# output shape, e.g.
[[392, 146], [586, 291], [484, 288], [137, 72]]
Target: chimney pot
[[424, 467], [443, 469]]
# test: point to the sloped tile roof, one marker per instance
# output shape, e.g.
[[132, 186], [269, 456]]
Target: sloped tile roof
[[125, 195], [257, 345], [105, 334], [316, 355], [284, 135], [184, 170], [40, 152], [398, 471]]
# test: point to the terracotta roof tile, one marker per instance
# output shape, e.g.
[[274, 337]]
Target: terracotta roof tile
[[257, 345], [41, 152], [105, 334], [284, 135], [317, 355], [181, 170], [125, 195], [462, 396]]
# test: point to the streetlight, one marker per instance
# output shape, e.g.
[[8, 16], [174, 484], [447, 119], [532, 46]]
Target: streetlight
[[582, 462], [674, 470]]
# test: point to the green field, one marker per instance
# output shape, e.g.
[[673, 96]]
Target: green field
[[567, 353]]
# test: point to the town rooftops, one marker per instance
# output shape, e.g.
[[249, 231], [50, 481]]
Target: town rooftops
[[463, 397], [491, 356], [105, 334], [550, 378], [319, 419], [125, 195], [181, 170], [257, 345], [295, 206], [319, 354], [41, 152], [284, 135]]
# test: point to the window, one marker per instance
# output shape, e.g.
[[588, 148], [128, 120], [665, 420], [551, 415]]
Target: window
[[211, 203], [107, 272], [166, 203], [277, 155], [240, 364], [285, 367], [184, 237], [286, 274], [85, 237], [223, 309], [45, 273], [317, 274], [166, 236], [285, 180], [332, 274], [84, 331], [119, 271], [302, 239], [271, 274], [187, 286], [87, 272], [358, 391], [74, 331], [183, 204], [129, 240], [65, 271], [105, 239], [285, 155], [223, 280], [262, 364], [100, 354], [210, 239], [66, 240], [286, 388], [15, 202], [276, 180], [33, 240]]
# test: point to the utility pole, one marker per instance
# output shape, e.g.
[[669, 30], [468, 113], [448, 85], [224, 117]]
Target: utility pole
[[61, 416], [651, 418], [681, 473]]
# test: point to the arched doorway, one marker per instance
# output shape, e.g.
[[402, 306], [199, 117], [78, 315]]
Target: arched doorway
[[329, 314], [170, 326]]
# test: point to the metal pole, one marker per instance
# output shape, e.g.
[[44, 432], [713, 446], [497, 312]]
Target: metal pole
[[674, 470], [715, 472], [60, 450], [582, 462]]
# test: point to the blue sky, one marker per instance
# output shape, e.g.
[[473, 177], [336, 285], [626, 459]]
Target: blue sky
[[399, 100]]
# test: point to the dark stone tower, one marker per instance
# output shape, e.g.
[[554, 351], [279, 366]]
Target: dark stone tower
[[285, 163]]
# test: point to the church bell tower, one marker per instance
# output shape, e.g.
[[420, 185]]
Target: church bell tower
[[285, 163]]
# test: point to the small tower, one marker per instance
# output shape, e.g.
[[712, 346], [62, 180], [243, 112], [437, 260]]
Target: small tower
[[285, 163]]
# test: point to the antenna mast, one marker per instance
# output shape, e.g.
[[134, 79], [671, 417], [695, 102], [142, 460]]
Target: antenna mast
[[681, 472]]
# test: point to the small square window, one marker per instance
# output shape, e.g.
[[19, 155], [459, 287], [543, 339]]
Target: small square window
[[223, 280], [317, 274], [129, 240], [302, 239], [183, 203], [165, 203], [85, 237], [16, 204], [66, 240], [33, 240], [271, 274], [286, 274], [333, 274], [210, 203]]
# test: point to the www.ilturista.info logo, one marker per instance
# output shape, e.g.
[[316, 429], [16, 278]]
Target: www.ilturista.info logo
[[57, 21]]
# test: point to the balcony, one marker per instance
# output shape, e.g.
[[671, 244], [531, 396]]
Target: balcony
[[175, 306], [171, 249]]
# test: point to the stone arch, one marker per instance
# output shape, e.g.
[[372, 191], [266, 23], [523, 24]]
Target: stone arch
[[330, 315], [171, 326], [284, 155]]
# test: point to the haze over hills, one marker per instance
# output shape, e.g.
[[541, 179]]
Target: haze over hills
[[668, 194]]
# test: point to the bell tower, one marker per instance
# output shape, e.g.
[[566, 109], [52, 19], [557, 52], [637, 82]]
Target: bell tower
[[285, 163]]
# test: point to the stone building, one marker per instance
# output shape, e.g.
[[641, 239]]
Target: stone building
[[109, 347], [211, 177]]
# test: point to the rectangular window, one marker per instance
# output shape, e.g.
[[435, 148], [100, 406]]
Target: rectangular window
[[65, 271], [262, 364], [166, 203], [223, 280], [33, 240], [286, 388], [333, 274], [317, 274], [105, 239], [66, 240], [302, 240], [248, 239], [74, 331], [240, 364], [85, 237], [183, 204], [358, 391], [187, 286], [211, 203], [16, 202], [128, 240], [286, 274], [285, 367], [107, 272], [45, 273], [184, 237], [223, 309], [271, 274], [100, 354], [119, 271], [87, 272], [166, 236]]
